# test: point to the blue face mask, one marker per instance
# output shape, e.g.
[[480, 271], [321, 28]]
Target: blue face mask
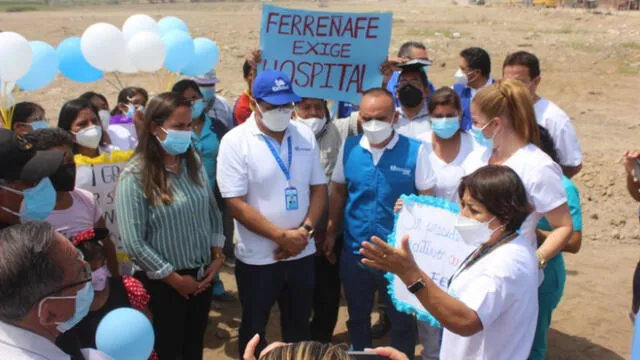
[[479, 136], [39, 124], [83, 298], [197, 108], [38, 202], [131, 110], [445, 128], [177, 142], [208, 93]]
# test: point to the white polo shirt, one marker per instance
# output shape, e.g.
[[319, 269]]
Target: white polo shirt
[[416, 126], [558, 123], [247, 168], [448, 175], [502, 288], [20, 344], [541, 177], [425, 177]]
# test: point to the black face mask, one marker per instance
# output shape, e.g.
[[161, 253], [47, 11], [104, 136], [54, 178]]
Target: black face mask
[[65, 178], [409, 95]]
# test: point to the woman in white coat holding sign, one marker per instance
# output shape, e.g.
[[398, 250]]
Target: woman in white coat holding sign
[[491, 307]]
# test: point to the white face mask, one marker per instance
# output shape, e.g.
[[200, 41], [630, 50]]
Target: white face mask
[[277, 119], [460, 77], [105, 118], [474, 232], [377, 131], [316, 124], [89, 137]]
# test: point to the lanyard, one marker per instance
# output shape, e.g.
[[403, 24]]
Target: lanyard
[[475, 256], [285, 170]]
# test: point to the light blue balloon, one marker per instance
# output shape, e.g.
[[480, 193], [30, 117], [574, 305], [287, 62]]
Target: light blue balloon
[[205, 57], [180, 49], [43, 69], [170, 23], [73, 64], [125, 334]]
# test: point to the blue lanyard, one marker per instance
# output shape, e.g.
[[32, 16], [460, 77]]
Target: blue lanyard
[[285, 170]]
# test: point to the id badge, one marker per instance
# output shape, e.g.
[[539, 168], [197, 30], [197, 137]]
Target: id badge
[[291, 198]]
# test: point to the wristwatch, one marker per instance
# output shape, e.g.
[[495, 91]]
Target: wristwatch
[[542, 263], [416, 286], [309, 229]]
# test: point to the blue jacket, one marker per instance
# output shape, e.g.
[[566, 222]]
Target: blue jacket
[[372, 190], [464, 92]]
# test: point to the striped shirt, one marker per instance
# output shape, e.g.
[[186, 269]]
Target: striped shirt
[[161, 239]]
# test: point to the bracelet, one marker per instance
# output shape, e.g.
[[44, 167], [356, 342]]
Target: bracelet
[[542, 263]]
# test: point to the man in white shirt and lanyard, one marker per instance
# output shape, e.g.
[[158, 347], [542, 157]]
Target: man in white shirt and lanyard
[[270, 176], [45, 289], [525, 67]]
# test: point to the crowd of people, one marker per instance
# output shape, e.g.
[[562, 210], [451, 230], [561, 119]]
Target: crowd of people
[[298, 200]]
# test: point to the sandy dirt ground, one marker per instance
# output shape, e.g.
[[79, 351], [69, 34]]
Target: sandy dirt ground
[[591, 68]]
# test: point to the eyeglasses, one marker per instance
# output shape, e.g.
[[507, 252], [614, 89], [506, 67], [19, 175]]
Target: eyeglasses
[[86, 273]]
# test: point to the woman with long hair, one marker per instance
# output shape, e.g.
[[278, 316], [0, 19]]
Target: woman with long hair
[[173, 232], [504, 121]]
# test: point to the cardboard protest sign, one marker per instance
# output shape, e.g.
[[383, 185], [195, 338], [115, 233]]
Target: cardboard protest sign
[[435, 244], [329, 55], [99, 176]]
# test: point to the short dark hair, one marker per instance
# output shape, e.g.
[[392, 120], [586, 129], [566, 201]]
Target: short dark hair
[[246, 69], [444, 96], [546, 143], [185, 84], [379, 91], [22, 111], [127, 93], [27, 272], [477, 59], [423, 75], [499, 189], [406, 48], [45, 139], [525, 59]]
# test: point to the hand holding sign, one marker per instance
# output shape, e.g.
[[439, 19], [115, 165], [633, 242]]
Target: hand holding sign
[[424, 239], [327, 55]]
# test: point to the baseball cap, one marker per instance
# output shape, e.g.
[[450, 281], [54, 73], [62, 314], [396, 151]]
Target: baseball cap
[[274, 87], [208, 79], [20, 161]]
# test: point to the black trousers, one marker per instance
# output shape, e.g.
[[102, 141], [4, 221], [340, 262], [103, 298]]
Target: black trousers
[[326, 298], [179, 323], [290, 284]]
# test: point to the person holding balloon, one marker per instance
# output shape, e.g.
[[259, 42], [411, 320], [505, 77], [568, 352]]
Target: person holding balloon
[[173, 232], [27, 117], [110, 292]]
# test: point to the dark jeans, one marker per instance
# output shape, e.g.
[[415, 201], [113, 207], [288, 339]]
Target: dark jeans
[[179, 323], [290, 284], [326, 297], [360, 284], [635, 304]]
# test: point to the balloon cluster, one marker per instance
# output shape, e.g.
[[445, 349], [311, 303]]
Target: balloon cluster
[[142, 45]]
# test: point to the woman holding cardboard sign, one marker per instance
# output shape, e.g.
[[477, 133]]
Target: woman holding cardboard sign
[[493, 287]]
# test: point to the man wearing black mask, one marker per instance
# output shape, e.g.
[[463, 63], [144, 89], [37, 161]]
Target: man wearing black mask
[[412, 92]]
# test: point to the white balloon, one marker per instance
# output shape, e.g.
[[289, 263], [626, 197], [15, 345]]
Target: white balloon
[[15, 56], [126, 66], [103, 46], [147, 51], [139, 23]]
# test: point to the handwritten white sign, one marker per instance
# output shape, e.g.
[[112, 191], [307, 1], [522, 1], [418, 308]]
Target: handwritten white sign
[[435, 244], [100, 176]]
